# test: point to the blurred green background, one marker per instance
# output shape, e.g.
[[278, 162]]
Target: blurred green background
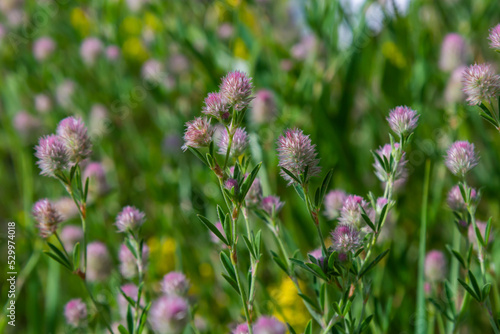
[[335, 69]]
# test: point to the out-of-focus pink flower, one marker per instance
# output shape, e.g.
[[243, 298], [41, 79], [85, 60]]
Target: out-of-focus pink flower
[[43, 48], [453, 52], [90, 49]]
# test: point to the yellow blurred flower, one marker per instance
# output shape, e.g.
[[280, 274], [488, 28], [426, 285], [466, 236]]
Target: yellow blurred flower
[[391, 52], [131, 25], [290, 307], [206, 270], [240, 49], [152, 21], [133, 49], [80, 21], [162, 254], [233, 3]]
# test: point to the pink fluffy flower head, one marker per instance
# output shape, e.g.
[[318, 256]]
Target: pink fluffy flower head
[[456, 201], [334, 201], [99, 262], [272, 205], [75, 313], [112, 52], [73, 134], [461, 158], [128, 262], [52, 155], [239, 145], [381, 173], [453, 52], [351, 212], [264, 107], [480, 82], [241, 329], [90, 49], [494, 38], [198, 133], [175, 284], [47, 217], [43, 48], [236, 87], [169, 315], [216, 106], [403, 120], [268, 325], [345, 239], [295, 153], [130, 219], [435, 266]]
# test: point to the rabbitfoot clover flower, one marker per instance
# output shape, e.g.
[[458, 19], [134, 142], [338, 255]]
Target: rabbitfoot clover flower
[[403, 120], [269, 325], [47, 217], [346, 239], [75, 313], [481, 83], [351, 212], [216, 106], [461, 158], [198, 133], [494, 38], [238, 145], [130, 219], [236, 88], [295, 153], [169, 315], [52, 155]]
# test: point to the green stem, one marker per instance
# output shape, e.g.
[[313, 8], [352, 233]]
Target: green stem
[[62, 246], [314, 218], [454, 272], [99, 311], [242, 290], [421, 318]]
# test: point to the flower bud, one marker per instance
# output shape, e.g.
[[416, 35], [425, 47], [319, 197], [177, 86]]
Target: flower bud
[[387, 151], [216, 106]]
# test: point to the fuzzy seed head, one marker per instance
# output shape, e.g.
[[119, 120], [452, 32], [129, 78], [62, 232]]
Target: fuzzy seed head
[[52, 155], [345, 239], [236, 88], [239, 145], [403, 120], [47, 217], [461, 158], [73, 134], [175, 284], [169, 315], [130, 219], [295, 153], [75, 313], [198, 133], [480, 83]]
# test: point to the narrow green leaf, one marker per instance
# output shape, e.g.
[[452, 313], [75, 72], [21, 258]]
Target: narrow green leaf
[[56, 258], [212, 228], [122, 329], [291, 175], [198, 154], [76, 256], [309, 301], [60, 254], [231, 282], [130, 319], [226, 262], [373, 263], [473, 281], [300, 192], [457, 255], [469, 290]]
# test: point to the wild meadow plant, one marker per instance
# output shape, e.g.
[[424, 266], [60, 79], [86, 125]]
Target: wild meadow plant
[[338, 274]]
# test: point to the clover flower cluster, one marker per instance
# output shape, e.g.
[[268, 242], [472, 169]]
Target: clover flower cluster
[[71, 145], [403, 120], [296, 153], [47, 217], [461, 157], [130, 219], [480, 83], [236, 93]]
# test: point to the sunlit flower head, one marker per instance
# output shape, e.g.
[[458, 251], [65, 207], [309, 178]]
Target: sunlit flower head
[[403, 120], [480, 83], [461, 158], [47, 217], [351, 212], [216, 106], [239, 144], [130, 219], [236, 87], [52, 155], [198, 133], [345, 239], [494, 38], [295, 153], [73, 134]]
